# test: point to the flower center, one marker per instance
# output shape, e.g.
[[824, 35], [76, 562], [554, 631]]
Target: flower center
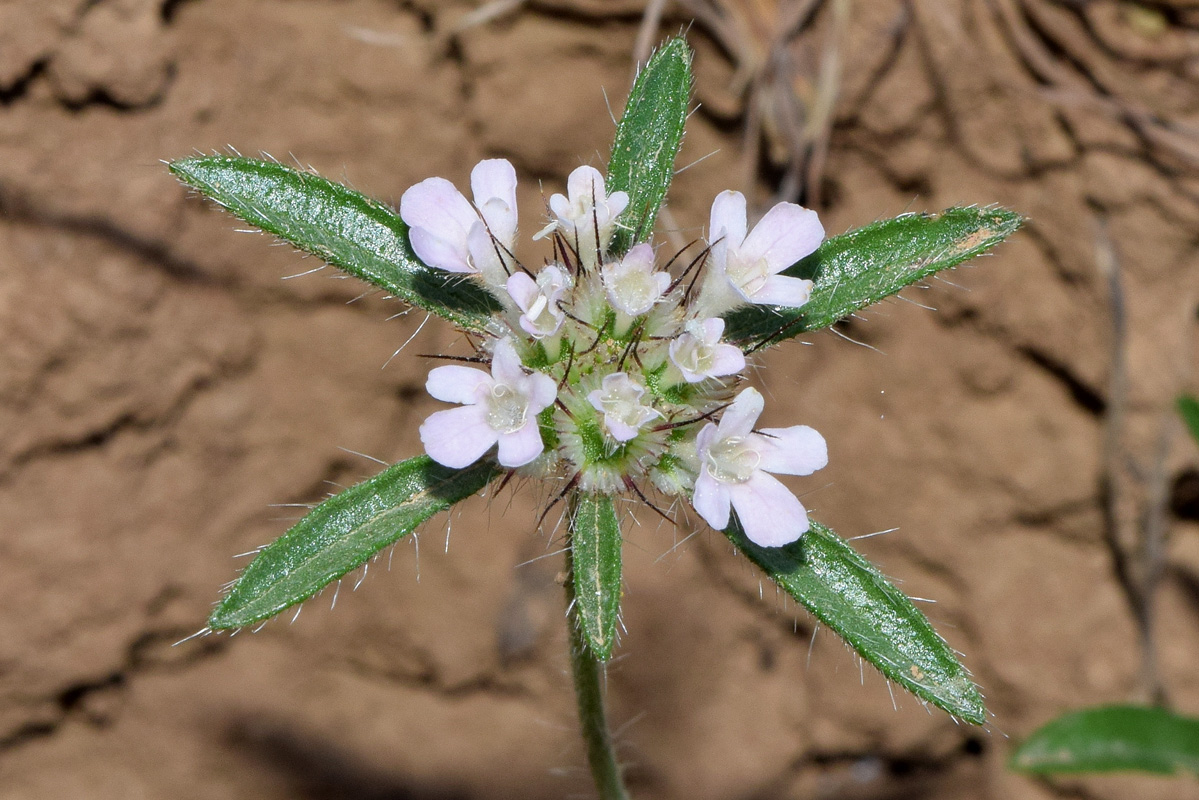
[[698, 358], [733, 460], [636, 290], [748, 278], [507, 410], [627, 409]]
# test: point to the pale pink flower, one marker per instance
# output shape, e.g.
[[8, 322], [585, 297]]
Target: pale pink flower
[[745, 268], [539, 300], [699, 354], [501, 407], [585, 207], [631, 283], [619, 399], [734, 462], [449, 233]]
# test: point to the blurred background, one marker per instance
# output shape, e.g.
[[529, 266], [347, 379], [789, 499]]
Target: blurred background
[[168, 400]]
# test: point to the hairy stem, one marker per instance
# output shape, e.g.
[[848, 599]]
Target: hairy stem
[[588, 674]]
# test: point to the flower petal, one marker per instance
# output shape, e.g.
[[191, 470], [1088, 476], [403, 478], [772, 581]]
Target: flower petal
[[458, 437], [493, 184], [798, 450], [540, 389], [523, 290], [505, 364], [727, 359], [560, 207], [522, 446], [435, 205], [456, 384], [781, 290], [617, 203], [705, 439], [438, 252], [620, 430], [740, 417], [711, 500], [769, 514], [485, 254], [786, 234], [727, 221], [712, 328], [583, 182]]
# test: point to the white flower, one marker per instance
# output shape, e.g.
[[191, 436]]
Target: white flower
[[501, 407], [698, 353], [619, 399], [539, 300], [631, 284], [745, 269], [447, 232], [734, 465], [586, 207]]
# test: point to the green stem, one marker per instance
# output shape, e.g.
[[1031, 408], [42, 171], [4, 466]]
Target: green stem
[[588, 674]]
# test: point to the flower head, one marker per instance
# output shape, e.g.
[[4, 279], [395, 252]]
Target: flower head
[[619, 366], [734, 462], [745, 268], [501, 407], [447, 232]]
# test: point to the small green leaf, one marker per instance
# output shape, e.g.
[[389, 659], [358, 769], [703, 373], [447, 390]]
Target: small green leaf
[[648, 139], [341, 226], [1188, 409], [342, 533], [595, 568], [861, 267], [846, 593], [1110, 739]]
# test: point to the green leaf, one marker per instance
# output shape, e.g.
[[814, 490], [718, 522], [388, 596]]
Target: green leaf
[[861, 267], [846, 593], [1188, 409], [341, 226], [648, 139], [342, 533], [1110, 739], [595, 569]]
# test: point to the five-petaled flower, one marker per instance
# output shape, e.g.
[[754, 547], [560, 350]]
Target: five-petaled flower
[[599, 344], [449, 233], [734, 462], [501, 407], [745, 268], [619, 400], [586, 214], [699, 354]]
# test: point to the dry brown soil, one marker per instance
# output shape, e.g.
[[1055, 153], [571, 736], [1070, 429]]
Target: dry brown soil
[[162, 389]]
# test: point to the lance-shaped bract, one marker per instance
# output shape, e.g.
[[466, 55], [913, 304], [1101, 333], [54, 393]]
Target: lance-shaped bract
[[849, 595], [342, 533], [337, 224], [648, 138], [595, 569]]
